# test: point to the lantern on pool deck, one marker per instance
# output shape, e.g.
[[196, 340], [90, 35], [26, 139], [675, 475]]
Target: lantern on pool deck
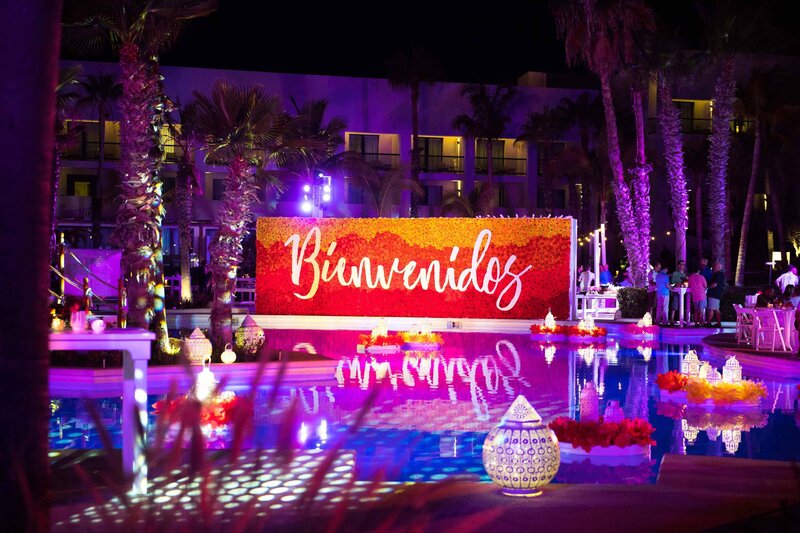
[[521, 454], [197, 348], [250, 336], [732, 371], [228, 356], [691, 365]]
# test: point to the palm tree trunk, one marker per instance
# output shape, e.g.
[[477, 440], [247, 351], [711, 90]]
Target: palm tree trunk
[[622, 194], [718, 154], [775, 200], [670, 125], [184, 204], [55, 178], [748, 207], [698, 216], [29, 62], [414, 146], [97, 196], [141, 212], [640, 177], [226, 248]]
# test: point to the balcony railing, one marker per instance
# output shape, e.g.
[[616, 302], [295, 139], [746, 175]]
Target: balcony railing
[[702, 125], [90, 151], [504, 166], [381, 161], [453, 164]]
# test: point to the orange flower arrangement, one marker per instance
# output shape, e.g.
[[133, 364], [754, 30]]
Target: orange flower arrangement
[[391, 339], [700, 390], [421, 338]]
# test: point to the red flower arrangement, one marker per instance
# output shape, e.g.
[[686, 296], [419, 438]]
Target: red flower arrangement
[[541, 329], [672, 381], [571, 331], [586, 435], [390, 339]]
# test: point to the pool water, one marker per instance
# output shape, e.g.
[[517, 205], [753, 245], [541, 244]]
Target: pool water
[[432, 411]]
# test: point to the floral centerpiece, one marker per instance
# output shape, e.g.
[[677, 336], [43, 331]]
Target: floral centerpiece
[[213, 415], [551, 332], [679, 387], [643, 329], [379, 340], [599, 437], [421, 338]]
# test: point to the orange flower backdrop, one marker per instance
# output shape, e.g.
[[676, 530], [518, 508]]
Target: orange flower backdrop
[[501, 268]]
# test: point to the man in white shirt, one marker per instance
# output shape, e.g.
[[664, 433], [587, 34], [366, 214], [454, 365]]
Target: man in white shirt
[[585, 279], [787, 278]]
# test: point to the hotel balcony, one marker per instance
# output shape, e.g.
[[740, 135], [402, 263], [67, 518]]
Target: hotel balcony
[[90, 151]]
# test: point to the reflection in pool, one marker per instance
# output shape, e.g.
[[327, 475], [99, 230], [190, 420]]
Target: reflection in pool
[[433, 410]]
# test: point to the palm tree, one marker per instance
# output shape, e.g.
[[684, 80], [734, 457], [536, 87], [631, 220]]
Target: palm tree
[[188, 182], [99, 93], [247, 129], [601, 34], [671, 66], [543, 129], [410, 72], [66, 97], [320, 141], [138, 30], [487, 123], [28, 86], [457, 204]]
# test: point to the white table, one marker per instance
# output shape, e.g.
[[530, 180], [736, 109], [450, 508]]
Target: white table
[[135, 346], [590, 303], [682, 305], [784, 318]]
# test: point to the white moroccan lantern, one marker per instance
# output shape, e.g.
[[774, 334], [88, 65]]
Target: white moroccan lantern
[[228, 356], [690, 432], [732, 371], [691, 365], [550, 321], [250, 336], [713, 376], [205, 384], [197, 348], [521, 454]]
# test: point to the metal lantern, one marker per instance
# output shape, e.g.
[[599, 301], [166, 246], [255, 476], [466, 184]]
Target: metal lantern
[[521, 454], [732, 371], [589, 403], [713, 376], [691, 365], [228, 356], [197, 348], [250, 336]]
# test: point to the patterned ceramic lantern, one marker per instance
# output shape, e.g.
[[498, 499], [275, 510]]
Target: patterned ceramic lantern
[[691, 365], [613, 412], [228, 356], [589, 403], [731, 438], [250, 336], [690, 432], [521, 454], [732, 371], [197, 348]]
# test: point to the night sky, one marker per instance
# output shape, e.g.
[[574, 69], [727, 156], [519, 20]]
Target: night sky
[[495, 42]]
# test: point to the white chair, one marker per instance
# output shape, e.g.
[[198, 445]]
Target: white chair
[[744, 325], [750, 300], [768, 332], [784, 323]]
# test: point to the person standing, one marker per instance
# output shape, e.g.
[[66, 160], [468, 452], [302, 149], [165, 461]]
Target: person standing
[[787, 278], [705, 270], [605, 276], [662, 296], [676, 281], [585, 279], [697, 289], [715, 291], [651, 287]]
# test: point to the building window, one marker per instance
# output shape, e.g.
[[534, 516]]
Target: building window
[[559, 198], [430, 153], [217, 189], [78, 185], [482, 157], [365, 145], [433, 195]]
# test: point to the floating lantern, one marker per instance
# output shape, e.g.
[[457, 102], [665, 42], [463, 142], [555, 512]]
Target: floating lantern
[[228, 356], [691, 365], [646, 321], [586, 325], [732, 371], [521, 454], [549, 322], [588, 405], [250, 336], [731, 438], [690, 432], [705, 369], [713, 376], [204, 384], [197, 348]]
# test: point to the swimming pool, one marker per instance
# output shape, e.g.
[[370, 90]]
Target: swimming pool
[[431, 412]]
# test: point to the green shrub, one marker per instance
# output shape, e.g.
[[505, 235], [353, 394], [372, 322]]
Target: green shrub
[[632, 302]]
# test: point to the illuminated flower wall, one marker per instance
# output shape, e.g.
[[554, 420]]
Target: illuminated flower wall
[[433, 267]]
